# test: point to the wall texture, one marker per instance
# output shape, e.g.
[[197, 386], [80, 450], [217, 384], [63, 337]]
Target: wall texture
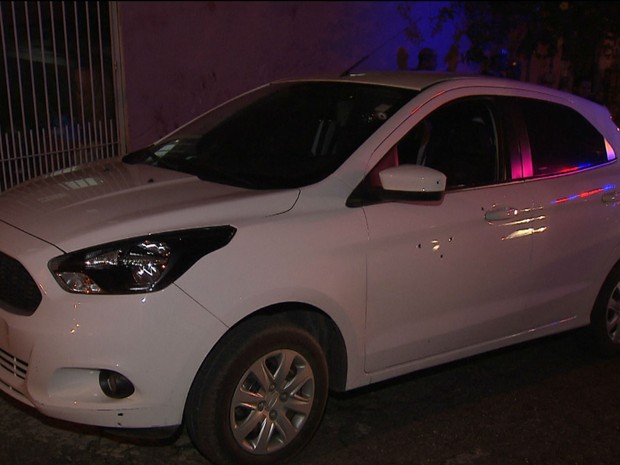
[[182, 58]]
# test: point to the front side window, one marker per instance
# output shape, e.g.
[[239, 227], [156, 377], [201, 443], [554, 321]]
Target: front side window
[[459, 139], [281, 136], [560, 139]]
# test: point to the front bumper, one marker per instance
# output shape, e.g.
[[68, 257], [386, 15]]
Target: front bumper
[[51, 360]]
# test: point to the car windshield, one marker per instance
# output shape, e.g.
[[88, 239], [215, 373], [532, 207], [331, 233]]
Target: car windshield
[[279, 136]]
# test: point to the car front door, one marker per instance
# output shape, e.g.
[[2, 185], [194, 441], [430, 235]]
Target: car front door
[[448, 276]]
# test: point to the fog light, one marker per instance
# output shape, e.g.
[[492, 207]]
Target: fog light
[[115, 385]]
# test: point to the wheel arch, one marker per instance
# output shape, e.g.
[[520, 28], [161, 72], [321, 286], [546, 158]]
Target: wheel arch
[[604, 327], [313, 320], [615, 268], [210, 405], [320, 326]]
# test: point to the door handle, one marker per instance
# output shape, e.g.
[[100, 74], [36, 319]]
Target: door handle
[[501, 214]]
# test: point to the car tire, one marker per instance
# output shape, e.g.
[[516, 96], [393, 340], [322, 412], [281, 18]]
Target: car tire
[[605, 320], [259, 398]]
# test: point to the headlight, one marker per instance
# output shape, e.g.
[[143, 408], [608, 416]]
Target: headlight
[[140, 264]]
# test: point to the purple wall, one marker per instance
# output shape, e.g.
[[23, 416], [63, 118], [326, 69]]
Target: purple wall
[[182, 58]]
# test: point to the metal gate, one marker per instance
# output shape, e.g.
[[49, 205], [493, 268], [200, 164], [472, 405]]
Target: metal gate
[[58, 87]]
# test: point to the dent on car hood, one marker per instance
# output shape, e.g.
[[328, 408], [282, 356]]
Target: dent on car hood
[[109, 200]]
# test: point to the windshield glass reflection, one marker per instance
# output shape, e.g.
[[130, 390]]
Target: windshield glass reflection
[[280, 136]]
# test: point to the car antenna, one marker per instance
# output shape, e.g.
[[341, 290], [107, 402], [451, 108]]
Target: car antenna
[[365, 57]]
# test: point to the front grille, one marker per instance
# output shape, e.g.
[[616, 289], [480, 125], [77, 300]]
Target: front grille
[[13, 365], [19, 294]]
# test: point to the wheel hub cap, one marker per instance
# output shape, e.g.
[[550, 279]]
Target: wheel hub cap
[[272, 401]]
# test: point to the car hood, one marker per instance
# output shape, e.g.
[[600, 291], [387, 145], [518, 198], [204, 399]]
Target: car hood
[[110, 200]]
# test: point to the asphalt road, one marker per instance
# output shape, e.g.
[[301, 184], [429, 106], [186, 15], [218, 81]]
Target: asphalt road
[[550, 402]]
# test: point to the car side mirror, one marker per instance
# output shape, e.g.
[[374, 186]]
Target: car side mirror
[[412, 178]]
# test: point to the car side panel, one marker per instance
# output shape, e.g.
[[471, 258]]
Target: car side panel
[[581, 220], [442, 277], [313, 255]]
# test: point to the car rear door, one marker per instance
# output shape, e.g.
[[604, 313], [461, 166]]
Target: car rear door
[[573, 176]]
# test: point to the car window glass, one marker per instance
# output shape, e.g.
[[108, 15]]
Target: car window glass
[[560, 139], [289, 135], [459, 139]]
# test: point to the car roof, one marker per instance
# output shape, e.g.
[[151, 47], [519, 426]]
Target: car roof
[[416, 80], [420, 80]]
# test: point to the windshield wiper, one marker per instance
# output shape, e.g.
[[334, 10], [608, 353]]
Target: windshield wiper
[[139, 156]]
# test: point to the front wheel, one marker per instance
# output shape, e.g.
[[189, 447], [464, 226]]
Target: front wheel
[[605, 324], [260, 397]]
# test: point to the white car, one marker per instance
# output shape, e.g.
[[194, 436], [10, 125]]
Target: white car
[[311, 235]]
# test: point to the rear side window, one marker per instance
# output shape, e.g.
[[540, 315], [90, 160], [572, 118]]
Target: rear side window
[[560, 139]]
